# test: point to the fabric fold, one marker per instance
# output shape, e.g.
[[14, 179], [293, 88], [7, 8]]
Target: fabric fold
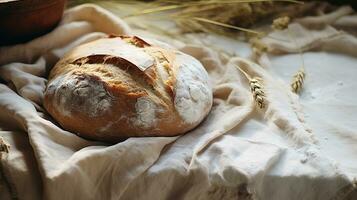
[[239, 150]]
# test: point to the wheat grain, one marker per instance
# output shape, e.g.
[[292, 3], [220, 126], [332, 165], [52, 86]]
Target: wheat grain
[[298, 81]]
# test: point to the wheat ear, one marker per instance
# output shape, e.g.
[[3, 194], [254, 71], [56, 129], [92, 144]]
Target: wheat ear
[[298, 81], [298, 78], [282, 23], [256, 87], [4, 147]]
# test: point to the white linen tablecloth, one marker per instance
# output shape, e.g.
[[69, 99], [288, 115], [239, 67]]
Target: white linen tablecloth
[[298, 147]]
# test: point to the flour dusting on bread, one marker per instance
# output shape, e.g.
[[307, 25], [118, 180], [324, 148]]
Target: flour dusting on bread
[[192, 90], [146, 112], [80, 93]]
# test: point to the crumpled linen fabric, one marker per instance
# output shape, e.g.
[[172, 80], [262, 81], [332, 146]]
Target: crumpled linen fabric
[[238, 151]]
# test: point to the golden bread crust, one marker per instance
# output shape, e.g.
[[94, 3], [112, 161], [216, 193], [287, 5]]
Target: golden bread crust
[[122, 86]]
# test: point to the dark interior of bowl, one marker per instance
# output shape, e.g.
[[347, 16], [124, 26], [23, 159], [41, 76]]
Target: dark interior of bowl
[[23, 20]]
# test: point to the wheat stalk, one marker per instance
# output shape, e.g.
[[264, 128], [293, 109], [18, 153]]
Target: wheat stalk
[[256, 88], [218, 16], [298, 79], [158, 7], [226, 25], [282, 23]]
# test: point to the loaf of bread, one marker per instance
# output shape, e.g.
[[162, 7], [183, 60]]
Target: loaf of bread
[[122, 86]]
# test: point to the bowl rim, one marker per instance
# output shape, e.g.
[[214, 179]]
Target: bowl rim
[[7, 1]]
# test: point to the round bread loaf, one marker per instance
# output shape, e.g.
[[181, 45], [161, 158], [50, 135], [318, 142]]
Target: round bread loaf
[[121, 86]]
